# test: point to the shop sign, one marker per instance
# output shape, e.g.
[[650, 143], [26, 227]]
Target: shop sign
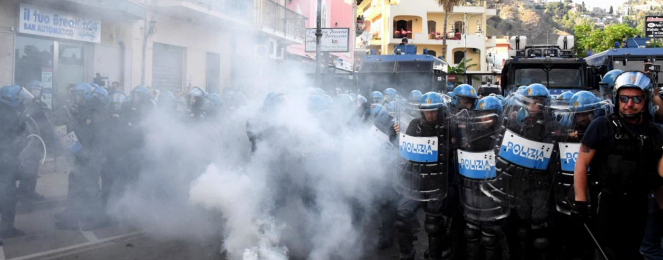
[[332, 40], [47, 22]]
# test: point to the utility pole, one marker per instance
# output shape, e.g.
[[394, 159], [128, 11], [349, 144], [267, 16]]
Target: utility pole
[[465, 33], [318, 36]]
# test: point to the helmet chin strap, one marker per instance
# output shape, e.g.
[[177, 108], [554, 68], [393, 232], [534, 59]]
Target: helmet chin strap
[[632, 116]]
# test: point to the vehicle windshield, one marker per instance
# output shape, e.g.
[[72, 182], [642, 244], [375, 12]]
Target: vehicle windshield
[[558, 77]]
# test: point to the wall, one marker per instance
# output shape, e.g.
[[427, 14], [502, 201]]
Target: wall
[[8, 12], [417, 24], [476, 58], [196, 37]]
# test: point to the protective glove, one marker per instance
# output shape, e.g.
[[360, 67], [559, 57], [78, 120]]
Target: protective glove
[[580, 211]]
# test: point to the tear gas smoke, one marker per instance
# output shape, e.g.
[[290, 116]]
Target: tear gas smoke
[[310, 190]]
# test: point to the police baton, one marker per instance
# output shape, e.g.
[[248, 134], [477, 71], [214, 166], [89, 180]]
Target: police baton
[[589, 231]]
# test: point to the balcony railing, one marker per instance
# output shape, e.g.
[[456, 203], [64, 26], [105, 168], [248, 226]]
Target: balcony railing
[[240, 9], [269, 14]]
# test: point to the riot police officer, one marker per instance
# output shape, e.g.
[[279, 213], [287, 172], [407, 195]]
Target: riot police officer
[[115, 148], [583, 108], [195, 103], [37, 112], [376, 97], [422, 178], [524, 168], [624, 152], [84, 145], [464, 97], [13, 100], [477, 137], [607, 84]]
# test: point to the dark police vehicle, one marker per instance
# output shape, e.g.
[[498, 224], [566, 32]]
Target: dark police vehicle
[[404, 71], [626, 59], [554, 66]]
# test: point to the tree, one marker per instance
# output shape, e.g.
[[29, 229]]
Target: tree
[[611, 10], [589, 38], [448, 6]]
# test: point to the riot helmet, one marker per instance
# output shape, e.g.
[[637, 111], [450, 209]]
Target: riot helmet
[[196, 98], [81, 93], [376, 97], [117, 99], [361, 100], [633, 80], [432, 107], [464, 97], [583, 104], [565, 97], [607, 84], [488, 112], [100, 95], [35, 87], [390, 94], [15, 96], [536, 97], [415, 96]]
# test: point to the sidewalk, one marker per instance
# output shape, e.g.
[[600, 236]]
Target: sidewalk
[[41, 236]]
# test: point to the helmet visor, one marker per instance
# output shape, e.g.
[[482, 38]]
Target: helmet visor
[[24, 95], [633, 79], [197, 92]]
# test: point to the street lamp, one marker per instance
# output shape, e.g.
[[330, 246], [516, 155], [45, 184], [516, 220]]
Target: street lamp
[[465, 32]]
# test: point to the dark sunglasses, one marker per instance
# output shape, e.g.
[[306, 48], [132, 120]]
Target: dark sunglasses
[[636, 99]]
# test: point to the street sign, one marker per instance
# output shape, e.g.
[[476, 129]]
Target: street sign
[[332, 40], [654, 26]]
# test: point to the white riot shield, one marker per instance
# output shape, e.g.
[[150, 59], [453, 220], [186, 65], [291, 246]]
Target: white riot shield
[[423, 149], [475, 137], [526, 156]]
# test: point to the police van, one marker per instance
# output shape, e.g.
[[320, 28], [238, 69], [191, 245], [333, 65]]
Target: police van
[[626, 59], [404, 71], [553, 65]]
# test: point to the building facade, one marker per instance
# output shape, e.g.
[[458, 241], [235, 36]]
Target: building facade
[[387, 22], [165, 44]]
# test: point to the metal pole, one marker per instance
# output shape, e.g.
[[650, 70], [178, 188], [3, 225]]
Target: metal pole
[[318, 35], [465, 34]]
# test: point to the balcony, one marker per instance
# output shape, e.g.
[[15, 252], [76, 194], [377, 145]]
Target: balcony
[[229, 10], [473, 40], [279, 21], [136, 9]]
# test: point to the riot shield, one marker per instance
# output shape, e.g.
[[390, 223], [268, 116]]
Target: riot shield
[[574, 123], [422, 168], [475, 139], [526, 154], [63, 125]]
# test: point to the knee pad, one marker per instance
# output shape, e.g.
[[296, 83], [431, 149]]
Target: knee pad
[[471, 234], [489, 240], [403, 221], [433, 224]]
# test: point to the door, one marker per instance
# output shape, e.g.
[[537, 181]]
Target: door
[[167, 67], [58, 65], [213, 72]]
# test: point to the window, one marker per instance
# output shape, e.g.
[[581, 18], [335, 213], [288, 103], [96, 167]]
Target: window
[[459, 27], [401, 25], [431, 27], [432, 53], [458, 56]]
